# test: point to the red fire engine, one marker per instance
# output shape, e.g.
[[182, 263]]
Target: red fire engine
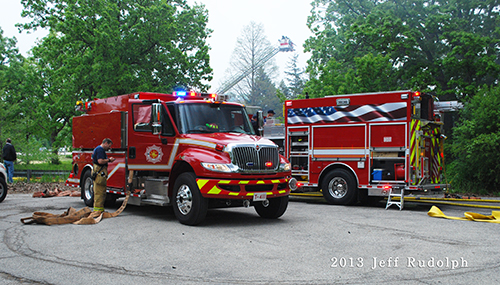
[[186, 149], [360, 145]]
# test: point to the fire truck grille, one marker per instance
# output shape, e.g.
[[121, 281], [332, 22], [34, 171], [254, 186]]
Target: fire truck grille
[[248, 158]]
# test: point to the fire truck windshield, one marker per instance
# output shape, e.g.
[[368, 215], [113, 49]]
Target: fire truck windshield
[[213, 118]]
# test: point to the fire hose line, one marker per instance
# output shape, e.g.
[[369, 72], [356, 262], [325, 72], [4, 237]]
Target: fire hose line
[[412, 199], [307, 194], [442, 201], [455, 199]]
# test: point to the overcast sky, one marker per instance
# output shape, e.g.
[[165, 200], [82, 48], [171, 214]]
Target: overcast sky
[[227, 18]]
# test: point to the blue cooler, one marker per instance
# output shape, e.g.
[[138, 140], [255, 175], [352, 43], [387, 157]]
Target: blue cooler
[[377, 174]]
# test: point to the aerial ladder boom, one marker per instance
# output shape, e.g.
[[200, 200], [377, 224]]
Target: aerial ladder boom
[[285, 45]]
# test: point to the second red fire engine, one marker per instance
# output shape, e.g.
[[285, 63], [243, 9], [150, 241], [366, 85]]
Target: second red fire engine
[[359, 145]]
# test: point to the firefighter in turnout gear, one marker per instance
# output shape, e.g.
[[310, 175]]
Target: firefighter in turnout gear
[[100, 160]]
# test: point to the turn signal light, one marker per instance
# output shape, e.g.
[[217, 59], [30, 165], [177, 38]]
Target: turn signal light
[[219, 147]]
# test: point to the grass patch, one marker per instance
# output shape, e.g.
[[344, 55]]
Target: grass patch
[[65, 165], [42, 179]]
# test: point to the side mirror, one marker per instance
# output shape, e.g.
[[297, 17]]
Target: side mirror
[[156, 117], [260, 122]]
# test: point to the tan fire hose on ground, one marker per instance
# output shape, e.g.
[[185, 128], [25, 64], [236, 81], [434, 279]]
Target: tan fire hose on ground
[[84, 216]]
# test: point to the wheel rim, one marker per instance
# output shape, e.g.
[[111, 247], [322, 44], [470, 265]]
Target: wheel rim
[[184, 199], [89, 188], [337, 187]]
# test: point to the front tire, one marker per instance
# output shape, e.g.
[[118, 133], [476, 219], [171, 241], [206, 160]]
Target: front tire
[[3, 189], [339, 188], [275, 209], [87, 187], [190, 207]]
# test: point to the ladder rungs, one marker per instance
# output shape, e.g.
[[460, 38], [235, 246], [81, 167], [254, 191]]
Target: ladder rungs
[[399, 203]]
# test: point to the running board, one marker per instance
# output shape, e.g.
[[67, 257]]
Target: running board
[[155, 193]]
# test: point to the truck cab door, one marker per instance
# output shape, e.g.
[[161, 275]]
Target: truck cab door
[[151, 138]]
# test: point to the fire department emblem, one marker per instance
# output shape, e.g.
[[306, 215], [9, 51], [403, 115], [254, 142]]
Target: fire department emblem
[[153, 154]]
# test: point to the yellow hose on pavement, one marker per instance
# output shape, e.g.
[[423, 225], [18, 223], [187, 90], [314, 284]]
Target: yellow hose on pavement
[[494, 218], [409, 199]]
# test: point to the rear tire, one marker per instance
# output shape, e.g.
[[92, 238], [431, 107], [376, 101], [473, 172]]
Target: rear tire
[[190, 207], [275, 209], [339, 188], [3, 189], [87, 187]]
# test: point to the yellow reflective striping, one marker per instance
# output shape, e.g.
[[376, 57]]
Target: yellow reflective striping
[[201, 183], [214, 190], [275, 181], [269, 193], [249, 194], [282, 191], [244, 182], [415, 142], [261, 182], [224, 181], [233, 194]]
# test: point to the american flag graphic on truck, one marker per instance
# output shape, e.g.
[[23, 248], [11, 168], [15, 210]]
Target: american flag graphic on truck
[[354, 113]]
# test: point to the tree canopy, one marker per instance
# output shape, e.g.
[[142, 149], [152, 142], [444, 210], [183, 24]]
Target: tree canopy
[[110, 47], [449, 47], [476, 144], [101, 48], [294, 78]]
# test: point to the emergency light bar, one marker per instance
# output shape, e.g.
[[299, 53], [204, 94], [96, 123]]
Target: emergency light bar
[[83, 107], [180, 93], [194, 95]]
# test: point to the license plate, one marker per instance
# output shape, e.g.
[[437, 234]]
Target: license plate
[[259, 196]]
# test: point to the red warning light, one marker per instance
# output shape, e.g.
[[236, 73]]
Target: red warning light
[[192, 93], [269, 164]]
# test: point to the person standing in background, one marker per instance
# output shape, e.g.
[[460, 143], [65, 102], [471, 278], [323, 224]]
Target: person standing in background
[[9, 157]]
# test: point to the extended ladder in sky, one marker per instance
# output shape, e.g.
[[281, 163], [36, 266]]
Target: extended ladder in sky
[[285, 45]]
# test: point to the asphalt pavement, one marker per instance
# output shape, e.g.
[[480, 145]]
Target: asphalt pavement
[[312, 243]]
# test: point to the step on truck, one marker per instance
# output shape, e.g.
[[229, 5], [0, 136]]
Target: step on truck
[[192, 151], [359, 145]]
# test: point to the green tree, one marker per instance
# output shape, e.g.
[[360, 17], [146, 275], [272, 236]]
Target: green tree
[[17, 106], [369, 73], [476, 144], [283, 92], [450, 47], [12, 69], [294, 78], [265, 92], [103, 48]]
